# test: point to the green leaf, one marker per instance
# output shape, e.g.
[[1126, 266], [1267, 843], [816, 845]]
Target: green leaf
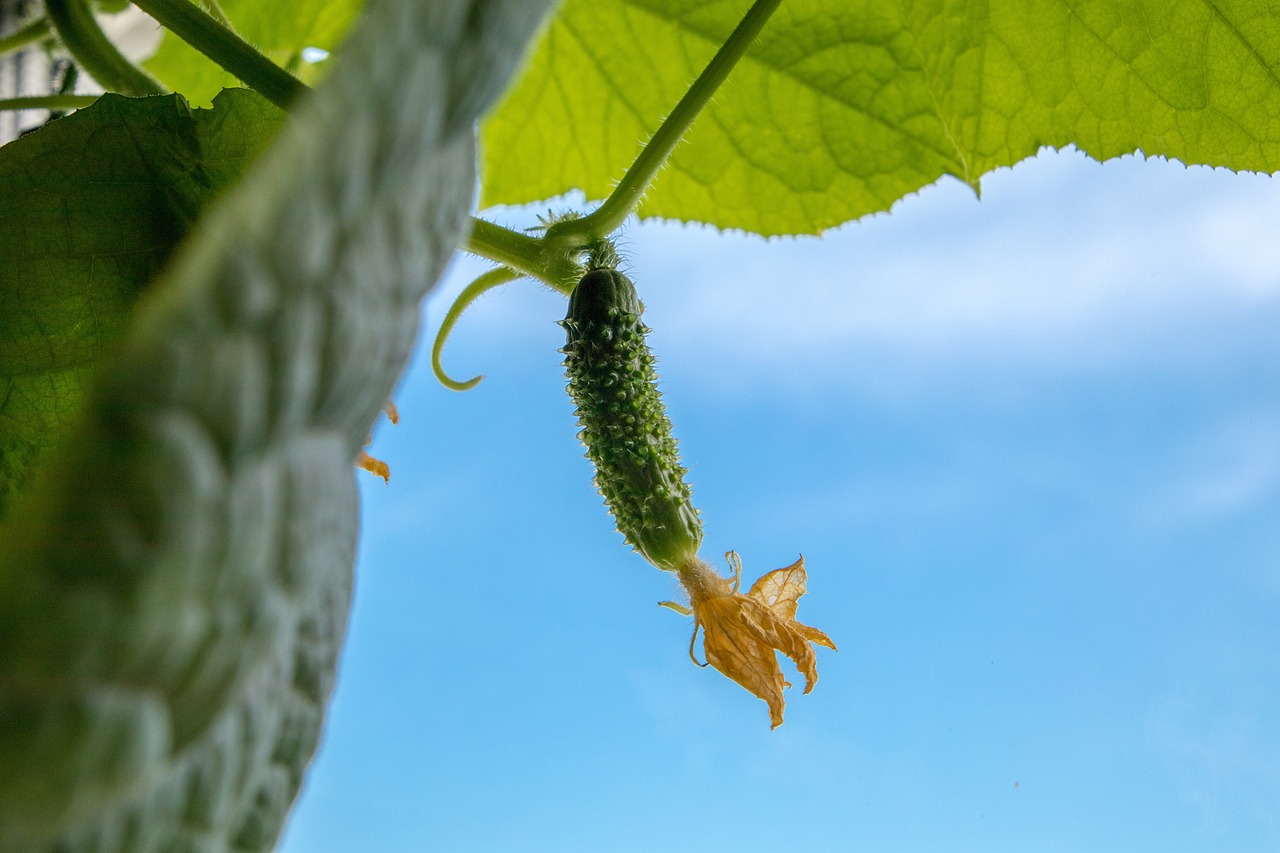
[[92, 206], [845, 106], [277, 28], [174, 585]]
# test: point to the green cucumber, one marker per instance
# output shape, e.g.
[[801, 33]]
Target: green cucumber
[[624, 426]]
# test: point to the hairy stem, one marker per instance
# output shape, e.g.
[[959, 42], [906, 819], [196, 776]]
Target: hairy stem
[[33, 32], [81, 35], [206, 34], [215, 9], [524, 254], [626, 196]]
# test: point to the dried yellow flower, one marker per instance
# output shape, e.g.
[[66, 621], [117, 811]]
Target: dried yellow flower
[[376, 466], [743, 633]]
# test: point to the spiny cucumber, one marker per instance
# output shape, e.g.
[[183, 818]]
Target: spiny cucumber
[[624, 426], [628, 438]]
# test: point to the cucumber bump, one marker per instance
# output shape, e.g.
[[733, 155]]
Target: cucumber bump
[[624, 425]]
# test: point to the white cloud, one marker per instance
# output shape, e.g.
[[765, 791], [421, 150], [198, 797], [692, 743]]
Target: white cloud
[[1228, 469], [1239, 237], [1065, 266]]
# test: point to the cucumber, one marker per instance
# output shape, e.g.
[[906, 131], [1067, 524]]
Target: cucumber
[[624, 425]]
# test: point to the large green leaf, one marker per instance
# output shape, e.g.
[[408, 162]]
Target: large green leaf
[[845, 106], [91, 207], [174, 583], [278, 28]]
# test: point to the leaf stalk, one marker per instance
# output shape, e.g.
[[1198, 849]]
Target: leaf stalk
[[624, 199], [551, 258]]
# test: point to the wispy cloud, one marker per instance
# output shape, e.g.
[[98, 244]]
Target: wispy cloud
[[1065, 263], [1224, 762], [1232, 467], [1065, 266]]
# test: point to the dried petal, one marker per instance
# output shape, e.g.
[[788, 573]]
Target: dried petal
[[739, 647], [743, 633], [780, 589], [374, 466], [813, 635]]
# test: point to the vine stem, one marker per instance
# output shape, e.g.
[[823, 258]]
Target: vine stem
[[527, 255], [48, 102], [610, 215], [549, 259], [215, 9], [206, 34], [80, 34], [33, 32]]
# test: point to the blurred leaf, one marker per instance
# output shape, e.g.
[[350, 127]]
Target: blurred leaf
[[174, 583], [91, 207], [844, 106]]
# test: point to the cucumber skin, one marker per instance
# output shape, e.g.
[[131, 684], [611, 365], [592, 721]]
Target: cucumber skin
[[624, 426]]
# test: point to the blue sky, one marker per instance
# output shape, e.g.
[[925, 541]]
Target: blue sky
[[1030, 449]]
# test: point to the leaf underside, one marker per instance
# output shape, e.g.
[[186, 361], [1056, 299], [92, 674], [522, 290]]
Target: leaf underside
[[843, 107], [91, 208]]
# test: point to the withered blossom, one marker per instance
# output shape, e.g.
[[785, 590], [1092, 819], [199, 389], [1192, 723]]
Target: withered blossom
[[742, 634]]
